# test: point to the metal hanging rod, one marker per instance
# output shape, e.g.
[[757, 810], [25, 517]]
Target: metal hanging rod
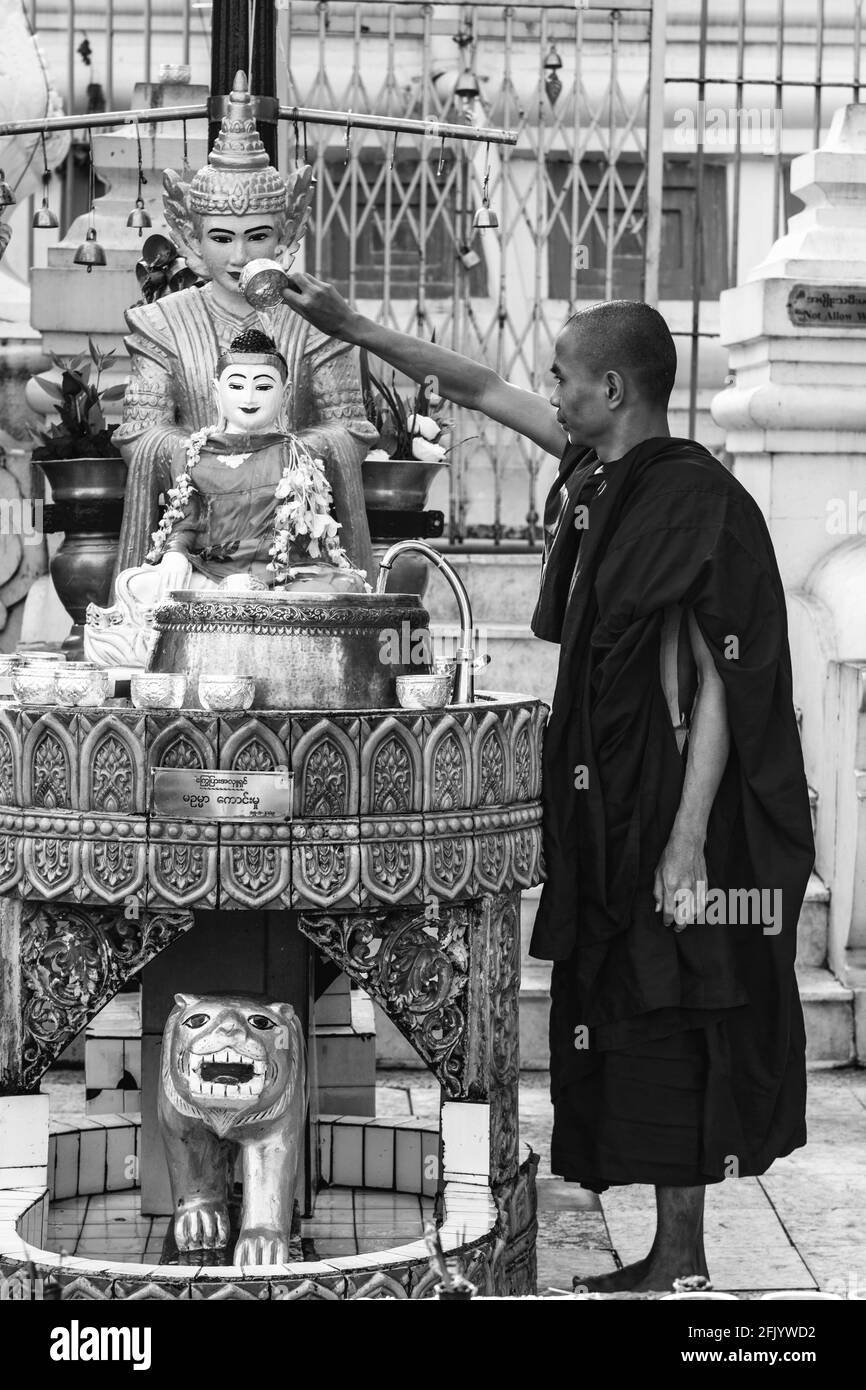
[[435, 130]]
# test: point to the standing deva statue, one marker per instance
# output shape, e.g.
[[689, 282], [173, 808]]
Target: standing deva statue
[[236, 209]]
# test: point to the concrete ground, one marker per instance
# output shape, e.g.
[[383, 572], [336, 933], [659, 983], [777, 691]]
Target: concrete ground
[[801, 1226]]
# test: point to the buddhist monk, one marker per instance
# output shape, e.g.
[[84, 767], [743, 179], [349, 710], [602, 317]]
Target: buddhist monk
[[677, 829]]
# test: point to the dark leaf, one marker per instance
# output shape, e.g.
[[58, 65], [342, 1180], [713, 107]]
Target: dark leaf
[[113, 393], [50, 387]]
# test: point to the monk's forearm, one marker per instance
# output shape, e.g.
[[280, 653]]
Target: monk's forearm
[[458, 378], [709, 744]]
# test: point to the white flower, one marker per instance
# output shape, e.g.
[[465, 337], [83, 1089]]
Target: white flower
[[423, 425], [426, 452], [377, 456]]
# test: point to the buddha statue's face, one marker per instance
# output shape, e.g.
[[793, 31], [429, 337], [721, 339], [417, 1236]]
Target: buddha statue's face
[[250, 396], [227, 243]]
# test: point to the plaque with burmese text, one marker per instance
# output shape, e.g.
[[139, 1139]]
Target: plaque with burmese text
[[191, 794], [827, 306]]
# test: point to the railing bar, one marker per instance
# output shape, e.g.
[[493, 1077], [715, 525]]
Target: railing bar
[[697, 244], [738, 152], [109, 52], [819, 70], [433, 130], [777, 127], [655, 155]]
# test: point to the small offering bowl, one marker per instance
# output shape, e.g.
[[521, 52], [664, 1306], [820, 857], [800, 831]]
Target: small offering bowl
[[226, 692], [424, 692], [33, 678], [80, 683], [157, 689], [261, 281]]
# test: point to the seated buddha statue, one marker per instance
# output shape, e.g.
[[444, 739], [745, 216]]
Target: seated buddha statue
[[236, 208], [248, 506]]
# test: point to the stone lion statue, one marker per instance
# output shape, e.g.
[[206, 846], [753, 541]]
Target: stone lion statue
[[233, 1077]]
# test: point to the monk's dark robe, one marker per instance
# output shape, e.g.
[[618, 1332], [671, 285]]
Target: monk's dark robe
[[676, 1057]]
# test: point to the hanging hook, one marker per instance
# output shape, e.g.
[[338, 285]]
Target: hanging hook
[[297, 137], [441, 164], [348, 136], [141, 175], [306, 149], [394, 151]]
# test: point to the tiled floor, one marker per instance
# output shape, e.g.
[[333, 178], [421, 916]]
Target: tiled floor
[[346, 1222]]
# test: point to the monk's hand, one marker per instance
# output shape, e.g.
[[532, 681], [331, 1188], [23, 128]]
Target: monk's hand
[[680, 887], [317, 302]]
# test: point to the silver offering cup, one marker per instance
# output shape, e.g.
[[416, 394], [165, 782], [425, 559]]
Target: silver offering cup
[[261, 282]]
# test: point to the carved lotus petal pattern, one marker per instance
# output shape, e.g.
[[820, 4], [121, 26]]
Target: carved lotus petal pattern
[[181, 865], [326, 781], [50, 773], [7, 774], [181, 752], [449, 775], [51, 859], [449, 860], [325, 867], [392, 778], [254, 867], [114, 863], [254, 757], [113, 776], [391, 863], [522, 765], [492, 770]]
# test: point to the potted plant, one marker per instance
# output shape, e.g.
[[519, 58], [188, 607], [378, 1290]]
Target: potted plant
[[398, 474], [87, 476]]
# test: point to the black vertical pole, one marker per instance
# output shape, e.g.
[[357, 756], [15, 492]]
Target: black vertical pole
[[230, 51]]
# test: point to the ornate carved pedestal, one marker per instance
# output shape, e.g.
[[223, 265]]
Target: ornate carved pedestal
[[412, 835]]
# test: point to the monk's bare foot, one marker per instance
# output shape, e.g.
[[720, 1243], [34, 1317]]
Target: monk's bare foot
[[645, 1276], [618, 1281]]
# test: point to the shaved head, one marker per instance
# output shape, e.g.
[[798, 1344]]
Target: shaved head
[[629, 337]]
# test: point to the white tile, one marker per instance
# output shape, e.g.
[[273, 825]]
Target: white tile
[[91, 1162], [103, 1062], [120, 1152], [429, 1163], [66, 1166], [466, 1140], [23, 1131], [408, 1152], [347, 1155], [378, 1156], [32, 1176], [132, 1058]]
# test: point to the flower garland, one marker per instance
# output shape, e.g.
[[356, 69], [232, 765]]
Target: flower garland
[[304, 497], [178, 496]]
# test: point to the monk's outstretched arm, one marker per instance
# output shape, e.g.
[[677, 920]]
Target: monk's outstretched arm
[[682, 868], [459, 379]]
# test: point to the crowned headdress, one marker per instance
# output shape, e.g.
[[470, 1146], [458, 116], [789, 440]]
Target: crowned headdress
[[238, 180]]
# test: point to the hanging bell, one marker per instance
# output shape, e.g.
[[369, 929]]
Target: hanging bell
[[89, 253], [467, 85], [138, 217], [485, 219], [43, 217], [7, 197]]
